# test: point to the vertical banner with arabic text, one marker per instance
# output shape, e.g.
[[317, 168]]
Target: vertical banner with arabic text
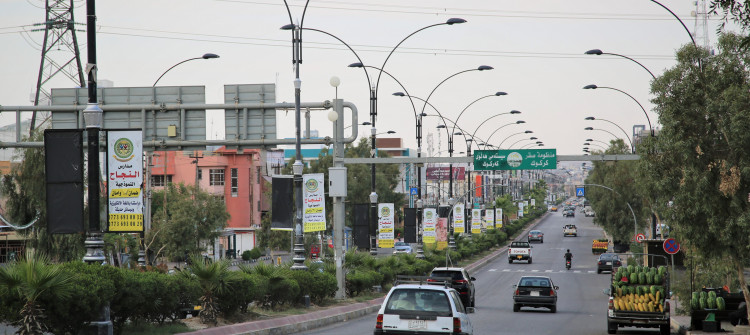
[[124, 180], [314, 204], [489, 218], [533, 202], [429, 221], [385, 225], [520, 209], [498, 217], [459, 226], [525, 207], [441, 230], [476, 221]]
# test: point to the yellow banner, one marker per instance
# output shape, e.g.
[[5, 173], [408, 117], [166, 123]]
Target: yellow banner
[[125, 222], [385, 243], [314, 226], [476, 230], [442, 245], [313, 210]]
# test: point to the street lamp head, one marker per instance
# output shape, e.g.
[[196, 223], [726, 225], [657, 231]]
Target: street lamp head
[[455, 20], [589, 140], [500, 93], [398, 94], [92, 115], [469, 140], [333, 116], [288, 26], [590, 118], [458, 133], [587, 143], [366, 123], [515, 112], [373, 198], [528, 132], [356, 65], [419, 203], [209, 56], [485, 67], [588, 128], [391, 132], [533, 138], [440, 126], [423, 114], [451, 201], [590, 87], [539, 142], [520, 121], [335, 81], [297, 168], [593, 52]]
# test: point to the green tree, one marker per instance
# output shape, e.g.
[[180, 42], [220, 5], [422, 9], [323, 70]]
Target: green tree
[[25, 192], [192, 216], [214, 278], [29, 278], [737, 11], [698, 167]]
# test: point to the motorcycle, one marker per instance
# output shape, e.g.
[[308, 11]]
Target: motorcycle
[[567, 264]]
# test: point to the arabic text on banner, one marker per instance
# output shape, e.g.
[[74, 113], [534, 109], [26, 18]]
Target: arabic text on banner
[[498, 217], [459, 226], [441, 229], [124, 180], [476, 221], [525, 207], [489, 218], [429, 221], [385, 225], [314, 204]]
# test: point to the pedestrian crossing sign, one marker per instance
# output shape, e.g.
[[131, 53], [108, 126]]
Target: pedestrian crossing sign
[[579, 191]]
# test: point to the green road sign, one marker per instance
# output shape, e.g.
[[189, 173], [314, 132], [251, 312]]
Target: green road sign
[[522, 159]]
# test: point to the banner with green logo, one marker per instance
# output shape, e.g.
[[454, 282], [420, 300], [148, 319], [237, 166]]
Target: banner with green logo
[[314, 203], [459, 225], [429, 222], [385, 225], [124, 180], [521, 159]]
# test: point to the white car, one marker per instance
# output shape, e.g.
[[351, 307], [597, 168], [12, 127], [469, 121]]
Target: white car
[[417, 307]]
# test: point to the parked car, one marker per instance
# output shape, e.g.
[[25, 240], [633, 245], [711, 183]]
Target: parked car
[[461, 282], [402, 248], [535, 291], [608, 262], [416, 307], [536, 235]]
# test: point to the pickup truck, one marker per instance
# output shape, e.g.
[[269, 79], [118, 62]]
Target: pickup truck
[[570, 229], [636, 302], [519, 251]]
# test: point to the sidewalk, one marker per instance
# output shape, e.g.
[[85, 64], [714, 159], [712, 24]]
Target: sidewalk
[[308, 321]]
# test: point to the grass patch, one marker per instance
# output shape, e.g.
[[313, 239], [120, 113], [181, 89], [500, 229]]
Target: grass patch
[[155, 329]]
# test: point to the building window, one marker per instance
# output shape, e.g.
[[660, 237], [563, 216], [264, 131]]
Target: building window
[[257, 174], [158, 180], [200, 174], [234, 182], [217, 177]]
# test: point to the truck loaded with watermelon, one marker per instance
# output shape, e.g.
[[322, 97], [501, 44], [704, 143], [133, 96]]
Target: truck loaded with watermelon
[[638, 298]]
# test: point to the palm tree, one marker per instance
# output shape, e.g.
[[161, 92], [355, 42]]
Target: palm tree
[[214, 278], [29, 278]]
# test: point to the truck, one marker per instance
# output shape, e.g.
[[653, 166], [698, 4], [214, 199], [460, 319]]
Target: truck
[[570, 229], [639, 297], [519, 251]]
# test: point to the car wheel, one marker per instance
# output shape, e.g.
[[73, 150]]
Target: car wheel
[[553, 309], [529, 260], [598, 271], [510, 261], [664, 330], [542, 241], [473, 301], [516, 307], [611, 328]]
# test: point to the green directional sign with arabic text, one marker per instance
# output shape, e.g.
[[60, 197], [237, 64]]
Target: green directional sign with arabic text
[[522, 159]]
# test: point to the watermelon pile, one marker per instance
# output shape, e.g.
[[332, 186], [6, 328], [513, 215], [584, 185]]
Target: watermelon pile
[[639, 288], [707, 300]]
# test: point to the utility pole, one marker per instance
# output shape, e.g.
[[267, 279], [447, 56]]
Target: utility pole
[[337, 190]]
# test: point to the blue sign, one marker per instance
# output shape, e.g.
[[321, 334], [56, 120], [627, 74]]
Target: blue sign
[[579, 191], [671, 246], [414, 191]]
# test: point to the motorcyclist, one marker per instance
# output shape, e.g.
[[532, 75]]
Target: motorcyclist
[[568, 257]]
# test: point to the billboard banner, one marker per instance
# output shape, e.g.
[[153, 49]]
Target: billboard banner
[[498, 217], [441, 230], [314, 204], [125, 180], [385, 225], [476, 221], [489, 219], [441, 173], [429, 221], [521, 159], [459, 226]]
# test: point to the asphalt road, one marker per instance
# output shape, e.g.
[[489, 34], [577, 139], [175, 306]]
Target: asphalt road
[[581, 306]]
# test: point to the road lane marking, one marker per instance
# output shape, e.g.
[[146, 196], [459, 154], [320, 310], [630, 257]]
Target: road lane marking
[[492, 270]]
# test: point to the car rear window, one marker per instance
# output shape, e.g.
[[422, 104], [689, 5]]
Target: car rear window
[[535, 282], [418, 302], [519, 245], [454, 275]]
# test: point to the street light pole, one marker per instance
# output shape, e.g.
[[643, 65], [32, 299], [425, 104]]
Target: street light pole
[[593, 87], [205, 56], [599, 52], [591, 118]]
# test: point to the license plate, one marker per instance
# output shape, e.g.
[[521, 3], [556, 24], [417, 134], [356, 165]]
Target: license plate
[[417, 324], [609, 263], [534, 293], [519, 256]]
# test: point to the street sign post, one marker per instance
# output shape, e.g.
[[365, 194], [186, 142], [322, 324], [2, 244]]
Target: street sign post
[[413, 191], [671, 246], [640, 237], [580, 191]]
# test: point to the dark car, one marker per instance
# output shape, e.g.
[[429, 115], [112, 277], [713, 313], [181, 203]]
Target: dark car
[[608, 262], [462, 282], [535, 291], [536, 235]]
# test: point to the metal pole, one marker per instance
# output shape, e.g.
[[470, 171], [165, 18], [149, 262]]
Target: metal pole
[[338, 203], [373, 154], [299, 242]]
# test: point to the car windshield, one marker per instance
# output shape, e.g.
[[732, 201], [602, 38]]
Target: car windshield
[[454, 275], [401, 244], [420, 302], [535, 232], [608, 257], [535, 282]]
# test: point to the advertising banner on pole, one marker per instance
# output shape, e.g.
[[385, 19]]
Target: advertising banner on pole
[[498, 217], [525, 207], [459, 224], [476, 221], [314, 204], [521, 159], [385, 225], [124, 180], [429, 221], [441, 230], [520, 209], [533, 202], [489, 218]]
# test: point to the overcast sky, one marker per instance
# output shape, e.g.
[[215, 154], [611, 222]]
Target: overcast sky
[[535, 47]]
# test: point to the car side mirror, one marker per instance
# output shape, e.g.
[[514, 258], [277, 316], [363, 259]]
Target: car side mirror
[[556, 287], [473, 279], [470, 310], [515, 286]]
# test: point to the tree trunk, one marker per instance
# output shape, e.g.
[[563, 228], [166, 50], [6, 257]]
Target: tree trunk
[[743, 283]]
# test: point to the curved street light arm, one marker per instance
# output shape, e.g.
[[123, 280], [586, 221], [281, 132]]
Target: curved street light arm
[[516, 142], [618, 126], [623, 56], [489, 118], [501, 127], [173, 66], [635, 223], [509, 136], [678, 19], [473, 102], [636, 101], [609, 132], [444, 80], [350, 49]]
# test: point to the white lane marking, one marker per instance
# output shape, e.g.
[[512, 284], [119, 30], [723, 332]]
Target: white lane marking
[[547, 270], [577, 271], [534, 270], [506, 270], [492, 270]]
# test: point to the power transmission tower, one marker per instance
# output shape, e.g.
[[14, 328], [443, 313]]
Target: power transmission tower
[[60, 53], [701, 24]]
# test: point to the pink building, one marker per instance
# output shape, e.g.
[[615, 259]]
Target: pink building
[[235, 177]]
